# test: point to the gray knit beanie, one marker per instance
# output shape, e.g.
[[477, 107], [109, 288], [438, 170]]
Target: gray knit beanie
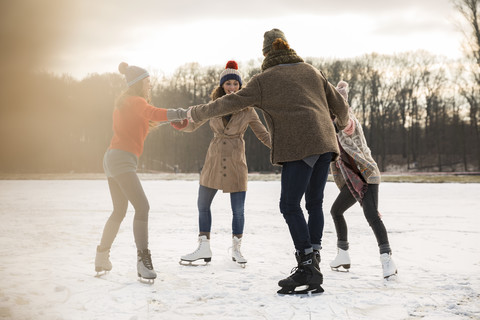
[[269, 37], [133, 74]]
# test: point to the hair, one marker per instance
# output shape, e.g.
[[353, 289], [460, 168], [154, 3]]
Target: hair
[[219, 92], [280, 44], [135, 89]]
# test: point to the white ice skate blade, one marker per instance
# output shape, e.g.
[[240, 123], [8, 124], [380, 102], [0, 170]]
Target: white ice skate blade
[[340, 269], [101, 273], [146, 281], [192, 263], [391, 278]]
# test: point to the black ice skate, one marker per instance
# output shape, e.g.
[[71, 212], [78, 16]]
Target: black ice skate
[[306, 277], [145, 267]]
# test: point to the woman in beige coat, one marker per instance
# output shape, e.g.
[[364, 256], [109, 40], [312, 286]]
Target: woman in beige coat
[[225, 167]]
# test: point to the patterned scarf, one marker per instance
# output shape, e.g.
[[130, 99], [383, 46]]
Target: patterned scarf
[[276, 57], [354, 180]]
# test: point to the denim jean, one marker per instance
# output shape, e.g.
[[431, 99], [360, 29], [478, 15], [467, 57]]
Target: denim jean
[[299, 179], [237, 202]]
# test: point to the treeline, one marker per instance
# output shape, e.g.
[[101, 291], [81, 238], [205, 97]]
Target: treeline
[[419, 112]]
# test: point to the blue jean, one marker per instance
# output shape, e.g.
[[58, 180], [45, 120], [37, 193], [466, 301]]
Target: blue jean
[[299, 179], [237, 202]]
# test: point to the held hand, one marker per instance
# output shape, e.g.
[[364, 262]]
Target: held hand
[[350, 128], [176, 114], [189, 115], [179, 125]]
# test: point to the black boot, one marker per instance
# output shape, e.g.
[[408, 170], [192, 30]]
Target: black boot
[[306, 273]]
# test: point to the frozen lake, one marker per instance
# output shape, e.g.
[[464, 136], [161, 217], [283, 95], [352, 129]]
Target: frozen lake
[[50, 228]]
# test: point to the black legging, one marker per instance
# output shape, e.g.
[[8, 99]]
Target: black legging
[[124, 188], [370, 209]]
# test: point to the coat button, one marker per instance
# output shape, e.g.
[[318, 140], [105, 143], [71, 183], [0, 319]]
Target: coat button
[[224, 159], [224, 174], [224, 167], [224, 142]]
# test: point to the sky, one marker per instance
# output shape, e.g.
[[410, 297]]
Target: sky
[[89, 36]]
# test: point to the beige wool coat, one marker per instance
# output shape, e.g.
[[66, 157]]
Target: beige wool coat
[[296, 100], [225, 165]]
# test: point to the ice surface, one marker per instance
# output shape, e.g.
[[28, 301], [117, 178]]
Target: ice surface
[[50, 228]]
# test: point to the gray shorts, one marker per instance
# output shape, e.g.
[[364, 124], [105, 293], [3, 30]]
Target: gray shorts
[[117, 161]]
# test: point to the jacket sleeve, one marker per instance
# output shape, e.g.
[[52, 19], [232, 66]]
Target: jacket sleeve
[[338, 105], [250, 95], [150, 112], [193, 126], [259, 129]]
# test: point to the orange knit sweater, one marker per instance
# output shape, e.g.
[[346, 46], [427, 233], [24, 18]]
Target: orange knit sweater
[[130, 124]]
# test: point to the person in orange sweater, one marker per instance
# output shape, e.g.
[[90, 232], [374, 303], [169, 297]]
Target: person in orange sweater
[[131, 122]]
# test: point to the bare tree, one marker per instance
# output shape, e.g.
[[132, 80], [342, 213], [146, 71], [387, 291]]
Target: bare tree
[[470, 11]]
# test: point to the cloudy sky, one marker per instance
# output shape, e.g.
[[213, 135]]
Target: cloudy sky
[[92, 36]]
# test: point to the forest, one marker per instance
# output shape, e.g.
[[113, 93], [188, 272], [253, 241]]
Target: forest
[[420, 112]]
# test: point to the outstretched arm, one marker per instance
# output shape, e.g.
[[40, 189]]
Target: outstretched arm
[[338, 106], [342, 88], [230, 103]]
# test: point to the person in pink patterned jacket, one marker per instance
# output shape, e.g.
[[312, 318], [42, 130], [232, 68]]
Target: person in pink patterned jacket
[[357, 176]]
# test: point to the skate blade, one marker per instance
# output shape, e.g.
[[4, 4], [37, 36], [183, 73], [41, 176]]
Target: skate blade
[[101, 273], [341, 268], [146, 281], [241, 264], [193, 263], [391, 278], [301, 290]]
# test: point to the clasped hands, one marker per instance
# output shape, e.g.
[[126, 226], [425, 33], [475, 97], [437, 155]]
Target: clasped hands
[[179, 118]]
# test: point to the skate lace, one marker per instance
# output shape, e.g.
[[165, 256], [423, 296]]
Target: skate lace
[[147, 260], [198, 248], [237, 252], [297, 269], [236, 249]]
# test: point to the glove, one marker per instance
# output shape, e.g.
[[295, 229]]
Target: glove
[[179, 125], [342, 88], [350, 128], [176, 114], [189, 115]]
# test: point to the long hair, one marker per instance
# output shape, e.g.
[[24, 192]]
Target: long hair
[[135, 89], [219, 92]]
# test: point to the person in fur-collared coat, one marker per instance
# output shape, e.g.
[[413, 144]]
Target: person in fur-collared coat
[[225, 166], [358, 177]]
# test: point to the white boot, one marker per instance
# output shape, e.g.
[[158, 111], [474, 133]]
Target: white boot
[[102, 261], [341, 260], [203, 251], [388, 266], [145, 266], [236, 254]]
